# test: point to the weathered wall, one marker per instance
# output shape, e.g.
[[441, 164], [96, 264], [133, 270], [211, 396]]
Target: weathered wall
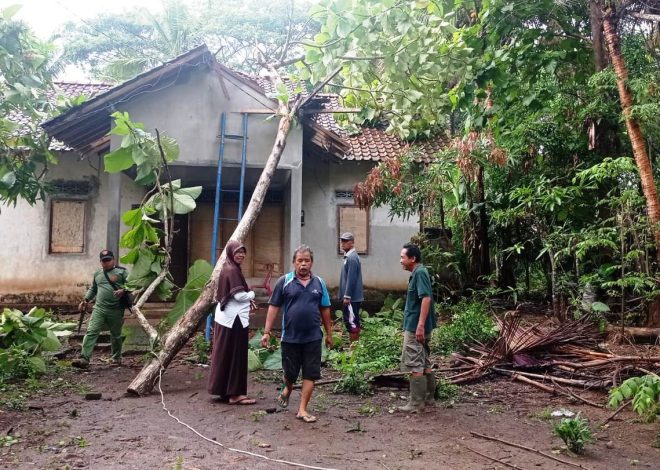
[[29, 274], [190, 112], [380, 267]]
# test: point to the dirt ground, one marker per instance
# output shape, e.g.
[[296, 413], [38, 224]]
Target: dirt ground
[[64, 430]]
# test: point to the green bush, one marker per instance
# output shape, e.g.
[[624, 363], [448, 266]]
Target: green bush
[[377, 350], [201, 347], [23, 339], [645, 394], [574, 432], [470, 323]]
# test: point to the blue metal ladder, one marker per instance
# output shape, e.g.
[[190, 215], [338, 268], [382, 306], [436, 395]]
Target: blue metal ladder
[[218, 192]]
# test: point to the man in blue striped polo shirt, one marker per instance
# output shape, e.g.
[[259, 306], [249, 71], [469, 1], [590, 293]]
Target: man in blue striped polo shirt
[[305, 304]]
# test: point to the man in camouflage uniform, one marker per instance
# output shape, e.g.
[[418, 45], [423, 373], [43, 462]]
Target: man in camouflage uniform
[[108, 289]]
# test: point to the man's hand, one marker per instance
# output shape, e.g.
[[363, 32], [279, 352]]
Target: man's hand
[[265, 340], [419, 333], [328, 341], [253, 305], [82, 305], [347, 301], [118, 292]]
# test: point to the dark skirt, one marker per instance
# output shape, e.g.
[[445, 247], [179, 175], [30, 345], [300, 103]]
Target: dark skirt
[[229, 362]]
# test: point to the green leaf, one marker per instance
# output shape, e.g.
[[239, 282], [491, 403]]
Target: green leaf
[[183, 203], [119, 160], [198, 275], [10, 11], [600, 307], [253, 361], [37, 364], [132, 217], [274, 361], [8, 180]]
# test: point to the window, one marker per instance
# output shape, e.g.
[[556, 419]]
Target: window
[[67, 226], [350, 218]]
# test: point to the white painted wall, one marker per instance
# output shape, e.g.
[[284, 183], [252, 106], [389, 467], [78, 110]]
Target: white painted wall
[[28, 272], [380, 268]]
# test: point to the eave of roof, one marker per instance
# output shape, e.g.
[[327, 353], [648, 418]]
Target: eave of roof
[[83, 125]]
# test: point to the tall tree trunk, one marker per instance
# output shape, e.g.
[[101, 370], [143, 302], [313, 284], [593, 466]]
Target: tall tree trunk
[[186, 326], [596, 19], [636, 138], [482, 230], [634, 131]]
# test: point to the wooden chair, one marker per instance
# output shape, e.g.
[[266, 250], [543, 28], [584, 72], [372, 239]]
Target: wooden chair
[[266, 283]]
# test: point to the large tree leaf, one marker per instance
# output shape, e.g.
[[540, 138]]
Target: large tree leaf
[[119, 160], [274, 361], [253, 361], [198, 275]]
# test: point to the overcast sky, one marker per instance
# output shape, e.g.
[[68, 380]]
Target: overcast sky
[[45, 16]]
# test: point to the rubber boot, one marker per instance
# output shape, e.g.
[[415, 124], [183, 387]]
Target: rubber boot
[[417, 395], [431, 383]]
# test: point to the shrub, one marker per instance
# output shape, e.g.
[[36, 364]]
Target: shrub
[[470, 323], [645, 394], [447, 392], [377, 350], [574, 432], [23, 339], [201, 347]]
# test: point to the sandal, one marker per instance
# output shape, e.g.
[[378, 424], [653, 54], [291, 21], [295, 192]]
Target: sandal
[[244, 400], [282, 399], [307, 418]]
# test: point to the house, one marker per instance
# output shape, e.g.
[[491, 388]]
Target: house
[[50, 250]]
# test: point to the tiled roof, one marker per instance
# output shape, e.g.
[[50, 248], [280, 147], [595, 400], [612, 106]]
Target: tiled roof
[[372, 143], [375, 144], [68, 89]]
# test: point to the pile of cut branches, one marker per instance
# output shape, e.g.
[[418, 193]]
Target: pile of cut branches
[[549, 356]]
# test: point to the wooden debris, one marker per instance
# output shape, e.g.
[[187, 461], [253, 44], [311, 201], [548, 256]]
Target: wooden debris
[[507, 464], [529, 449], [549, 357]]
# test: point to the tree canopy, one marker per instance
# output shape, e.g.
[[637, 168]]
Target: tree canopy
[[26, 71], [116, 47]]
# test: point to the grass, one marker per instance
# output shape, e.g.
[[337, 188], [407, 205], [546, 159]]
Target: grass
[[15, 395], [543, 415]]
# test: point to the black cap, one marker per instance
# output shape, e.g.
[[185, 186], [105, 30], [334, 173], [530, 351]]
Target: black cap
[[106, 255]]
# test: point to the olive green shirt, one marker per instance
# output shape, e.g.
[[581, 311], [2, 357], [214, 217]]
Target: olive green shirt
[[103, 290], [419, 286]]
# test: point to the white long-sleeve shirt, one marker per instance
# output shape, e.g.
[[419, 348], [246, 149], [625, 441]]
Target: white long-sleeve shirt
[[238, 304]]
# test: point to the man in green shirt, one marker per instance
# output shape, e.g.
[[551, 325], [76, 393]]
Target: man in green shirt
[[108, 289], [418, 323]]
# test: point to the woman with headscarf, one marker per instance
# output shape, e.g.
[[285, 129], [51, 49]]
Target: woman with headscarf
[[229, 359]]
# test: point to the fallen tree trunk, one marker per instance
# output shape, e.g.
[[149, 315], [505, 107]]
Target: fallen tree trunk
[[186, 326], [638, 334], [136, 309]]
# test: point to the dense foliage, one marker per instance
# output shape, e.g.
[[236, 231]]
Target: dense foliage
[[536, 192], [116, 47], [24, 337], [151, 224], [470, 323], [644, 394], [26, 72], [377, 350]]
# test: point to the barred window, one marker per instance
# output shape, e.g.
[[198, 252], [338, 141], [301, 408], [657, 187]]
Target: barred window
[[344, 194]]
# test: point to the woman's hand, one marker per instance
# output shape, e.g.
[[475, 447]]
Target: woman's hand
[[253, 305]]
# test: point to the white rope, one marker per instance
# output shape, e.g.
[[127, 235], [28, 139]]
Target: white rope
[[285, 462]]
